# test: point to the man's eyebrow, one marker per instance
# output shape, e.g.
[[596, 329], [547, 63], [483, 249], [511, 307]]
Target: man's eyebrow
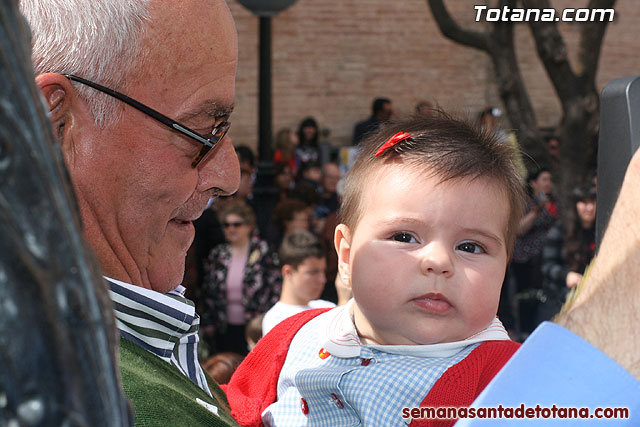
[[207, 109]]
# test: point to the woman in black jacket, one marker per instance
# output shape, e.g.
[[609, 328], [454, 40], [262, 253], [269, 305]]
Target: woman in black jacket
[[568, 251]]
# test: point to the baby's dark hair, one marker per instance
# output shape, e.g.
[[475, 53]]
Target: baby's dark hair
[[448, 148], [298, 246]]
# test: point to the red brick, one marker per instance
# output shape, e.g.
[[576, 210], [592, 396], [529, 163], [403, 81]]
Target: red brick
[[332, 57]]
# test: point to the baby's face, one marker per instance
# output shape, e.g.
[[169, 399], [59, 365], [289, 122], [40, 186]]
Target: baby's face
[[427, 259]]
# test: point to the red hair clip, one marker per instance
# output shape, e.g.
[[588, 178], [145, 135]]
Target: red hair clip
[[398, 137]]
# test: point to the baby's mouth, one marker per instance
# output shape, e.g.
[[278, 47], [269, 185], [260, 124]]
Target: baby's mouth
[[433, 302]]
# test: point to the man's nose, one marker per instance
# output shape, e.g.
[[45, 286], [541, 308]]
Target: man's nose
[[221, 170]]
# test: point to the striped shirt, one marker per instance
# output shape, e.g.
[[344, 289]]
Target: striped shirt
[[164, 324]]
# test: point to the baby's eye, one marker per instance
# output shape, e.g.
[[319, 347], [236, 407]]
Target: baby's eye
[[404, 237], [471, 247]]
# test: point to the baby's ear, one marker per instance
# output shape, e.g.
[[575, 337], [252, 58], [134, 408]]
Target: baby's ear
[[342, 241]]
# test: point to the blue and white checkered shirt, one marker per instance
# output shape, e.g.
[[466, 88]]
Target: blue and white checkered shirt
[[330, 379], [164, 324]]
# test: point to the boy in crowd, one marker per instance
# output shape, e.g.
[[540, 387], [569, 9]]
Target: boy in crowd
[[303, 278]]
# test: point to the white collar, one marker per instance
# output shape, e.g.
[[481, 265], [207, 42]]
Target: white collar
[[338, 336]]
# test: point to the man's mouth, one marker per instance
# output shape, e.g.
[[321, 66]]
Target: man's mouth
[[185, 223], [187, 218], [190, 211], [182, 221]]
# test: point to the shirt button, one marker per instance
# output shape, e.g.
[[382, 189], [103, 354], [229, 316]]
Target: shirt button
[[323, 354], [337, 401], [304, 406], [365, 362]]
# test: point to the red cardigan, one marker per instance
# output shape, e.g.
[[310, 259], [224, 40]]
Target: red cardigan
[[253, 386]]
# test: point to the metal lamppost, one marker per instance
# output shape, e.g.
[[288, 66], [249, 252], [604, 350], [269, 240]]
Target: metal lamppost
[[265, 193]]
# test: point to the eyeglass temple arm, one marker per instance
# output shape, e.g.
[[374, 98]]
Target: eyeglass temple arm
[[139, 106]]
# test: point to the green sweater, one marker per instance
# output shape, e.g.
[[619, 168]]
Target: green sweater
[[162, 396]]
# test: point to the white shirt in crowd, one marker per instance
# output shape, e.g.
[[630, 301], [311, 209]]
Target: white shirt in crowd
[[281, 311]]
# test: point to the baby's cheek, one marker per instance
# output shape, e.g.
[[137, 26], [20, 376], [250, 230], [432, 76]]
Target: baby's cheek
[[483, 309]]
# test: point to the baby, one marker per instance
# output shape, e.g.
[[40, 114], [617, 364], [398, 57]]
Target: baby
[[428, 222]]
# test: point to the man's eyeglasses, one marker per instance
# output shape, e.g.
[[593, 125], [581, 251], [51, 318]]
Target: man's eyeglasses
[[208, 141]]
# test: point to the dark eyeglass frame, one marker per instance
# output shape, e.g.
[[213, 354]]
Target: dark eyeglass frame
[[209, 142]]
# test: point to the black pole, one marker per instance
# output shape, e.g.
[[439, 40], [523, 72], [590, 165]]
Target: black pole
[[265, 193], [265, 152]]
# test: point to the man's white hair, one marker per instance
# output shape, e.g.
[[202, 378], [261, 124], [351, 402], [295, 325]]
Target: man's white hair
[[98, 40]]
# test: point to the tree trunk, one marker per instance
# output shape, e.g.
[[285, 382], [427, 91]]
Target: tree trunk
[[578, 149], [578, 127]]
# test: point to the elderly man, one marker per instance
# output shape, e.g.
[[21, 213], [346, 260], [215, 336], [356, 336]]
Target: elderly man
[[139, 93]]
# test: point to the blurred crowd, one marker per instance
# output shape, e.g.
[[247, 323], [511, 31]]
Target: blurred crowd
[[244, 278], [552, 251]]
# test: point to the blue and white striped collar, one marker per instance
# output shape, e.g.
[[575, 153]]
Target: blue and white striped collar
[[164, 324]]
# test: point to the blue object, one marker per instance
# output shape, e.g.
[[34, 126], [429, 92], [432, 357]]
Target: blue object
[[556, 367]]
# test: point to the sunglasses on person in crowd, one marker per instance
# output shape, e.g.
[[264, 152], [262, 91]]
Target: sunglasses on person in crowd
[[232, 224]]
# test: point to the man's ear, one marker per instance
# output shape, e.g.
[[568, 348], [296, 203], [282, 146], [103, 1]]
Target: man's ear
[[342, 241], [58, 94]]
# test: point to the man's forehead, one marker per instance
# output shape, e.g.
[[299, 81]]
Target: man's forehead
[[190, 63], [206, 27]]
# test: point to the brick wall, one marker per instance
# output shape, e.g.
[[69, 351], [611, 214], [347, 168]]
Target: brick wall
[[332, 57]]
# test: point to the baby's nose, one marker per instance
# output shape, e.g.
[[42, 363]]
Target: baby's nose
[[436, 259]]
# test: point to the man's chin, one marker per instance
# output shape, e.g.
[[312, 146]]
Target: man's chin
[[168, 276]]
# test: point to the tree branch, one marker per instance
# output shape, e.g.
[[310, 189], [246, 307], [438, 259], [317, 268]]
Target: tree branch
[[453, 31], [552, 52], [511, 86], [591, 37]]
